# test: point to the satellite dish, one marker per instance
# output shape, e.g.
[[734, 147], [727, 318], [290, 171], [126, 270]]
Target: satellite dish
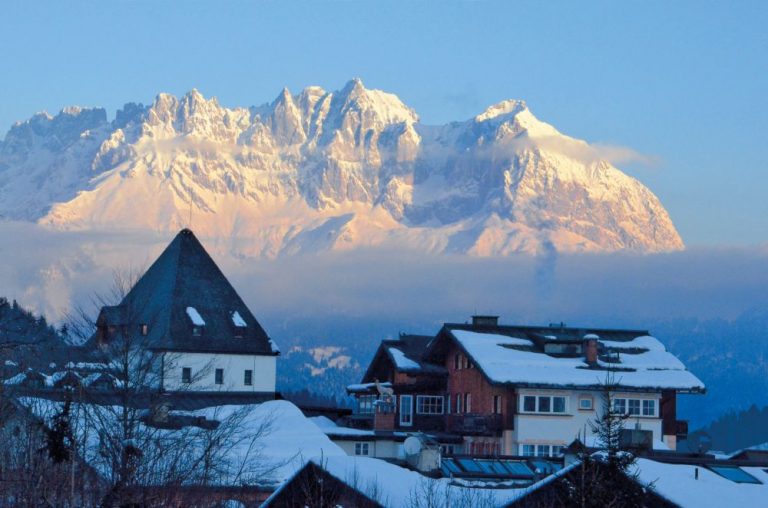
[[700, 442], [412, 445]]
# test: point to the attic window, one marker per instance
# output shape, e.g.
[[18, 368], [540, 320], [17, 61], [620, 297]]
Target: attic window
[[239, 323], [197, 321]]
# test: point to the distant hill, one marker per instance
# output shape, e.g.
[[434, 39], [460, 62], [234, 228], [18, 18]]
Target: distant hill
[[736, 430], [27, 340]]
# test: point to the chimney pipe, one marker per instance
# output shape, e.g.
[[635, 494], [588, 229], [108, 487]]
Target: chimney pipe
[[590, 351]]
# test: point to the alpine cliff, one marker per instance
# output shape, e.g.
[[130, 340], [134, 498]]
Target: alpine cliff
[[327, 171]]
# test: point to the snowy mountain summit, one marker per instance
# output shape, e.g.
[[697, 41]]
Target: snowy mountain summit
[[327, 171]]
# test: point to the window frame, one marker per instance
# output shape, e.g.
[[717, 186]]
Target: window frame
[[426, 404], [498, 404], [549, 404], [248, 377], [218, 377], [627, 405], [405, 422], [590, 400], [186, 375], [362, 448]]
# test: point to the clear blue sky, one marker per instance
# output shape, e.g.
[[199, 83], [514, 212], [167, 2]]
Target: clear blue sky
[[686, 82]]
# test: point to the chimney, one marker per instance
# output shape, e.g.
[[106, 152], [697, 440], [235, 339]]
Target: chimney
[[485, 321], [590, 351]]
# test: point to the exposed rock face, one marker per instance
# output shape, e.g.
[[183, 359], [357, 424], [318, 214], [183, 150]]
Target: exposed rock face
[[327, 170]]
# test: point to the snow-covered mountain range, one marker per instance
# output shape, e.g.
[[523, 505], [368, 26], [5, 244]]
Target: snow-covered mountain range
[[327, 171]]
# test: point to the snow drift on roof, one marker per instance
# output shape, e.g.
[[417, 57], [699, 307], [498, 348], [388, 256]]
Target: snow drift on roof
[[195, 316], [238, 320]]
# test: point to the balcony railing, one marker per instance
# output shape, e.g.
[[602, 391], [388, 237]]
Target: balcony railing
[[473, 423]]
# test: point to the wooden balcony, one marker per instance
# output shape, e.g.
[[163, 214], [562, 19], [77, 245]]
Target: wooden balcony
[[475, 424]]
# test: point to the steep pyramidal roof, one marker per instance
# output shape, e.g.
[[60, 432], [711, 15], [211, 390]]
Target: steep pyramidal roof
[[189, 305]]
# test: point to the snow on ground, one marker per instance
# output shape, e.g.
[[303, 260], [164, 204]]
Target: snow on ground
[[678, 483], [653, 369]]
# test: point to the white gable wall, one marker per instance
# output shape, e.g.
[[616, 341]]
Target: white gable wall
[[203, 371]]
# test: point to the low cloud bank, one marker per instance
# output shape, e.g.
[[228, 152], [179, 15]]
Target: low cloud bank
[[52, 270]]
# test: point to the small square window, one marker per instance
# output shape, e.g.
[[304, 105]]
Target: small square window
[[545, 405], [585, 403], [558, 404], [248, 378], [529, 403], [634, 407], [186, 375], [543, 450], [620, 406], [219, 376], [362, 449], [528, 450]]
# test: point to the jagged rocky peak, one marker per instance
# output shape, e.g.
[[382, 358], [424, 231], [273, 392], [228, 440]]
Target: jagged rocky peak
[[328, 170]]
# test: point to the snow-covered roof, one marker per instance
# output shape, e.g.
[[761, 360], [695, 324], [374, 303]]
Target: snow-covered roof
[[366, 387], [678, 483], [195, 316], [402, 362], [394, 486], [643, 363], [238, 320]]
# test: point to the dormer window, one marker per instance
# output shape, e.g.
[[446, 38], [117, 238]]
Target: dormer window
[[239, 323], [197, 321]]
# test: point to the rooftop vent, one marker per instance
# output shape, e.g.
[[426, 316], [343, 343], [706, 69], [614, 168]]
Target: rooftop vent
[[485, 320]]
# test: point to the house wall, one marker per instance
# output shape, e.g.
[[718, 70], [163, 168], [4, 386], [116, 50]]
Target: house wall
[[380, 449], [204, 366], [562, 429], [471, 380]]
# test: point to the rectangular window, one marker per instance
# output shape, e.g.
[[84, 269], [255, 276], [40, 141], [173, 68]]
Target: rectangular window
[[543, 450], [620, 406], [429, 405], [457, 361], [544, 404], [467, 402], [634, 407], [557, 450], [585, 403], [219, 377], [362, 449], [406, 410], [649, 408], [497, 404], [144, 329], [458, 403], [248, 378], [186, 375], [365, 404], [528, 450], [529, 404]]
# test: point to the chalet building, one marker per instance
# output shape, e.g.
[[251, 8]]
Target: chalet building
[[201, 336], [521, 390]]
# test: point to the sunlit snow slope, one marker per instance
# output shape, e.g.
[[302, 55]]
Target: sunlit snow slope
[[327, 171]]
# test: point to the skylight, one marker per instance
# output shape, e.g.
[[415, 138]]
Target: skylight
[[238, 320], [735, 474], [195, 316]]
